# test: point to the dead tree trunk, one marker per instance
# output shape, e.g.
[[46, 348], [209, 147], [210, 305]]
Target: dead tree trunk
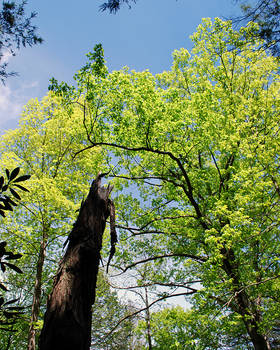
[[67, 321]]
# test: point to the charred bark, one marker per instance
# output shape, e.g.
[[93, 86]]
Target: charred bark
[[67, 321]]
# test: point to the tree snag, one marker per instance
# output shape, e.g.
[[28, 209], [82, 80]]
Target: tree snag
[[67, 321]]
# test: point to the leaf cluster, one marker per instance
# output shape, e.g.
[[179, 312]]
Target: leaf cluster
[[6, 256], [266, 13], [94, 70], [9, 184], [9, 314], [16, 30], [113, 6]]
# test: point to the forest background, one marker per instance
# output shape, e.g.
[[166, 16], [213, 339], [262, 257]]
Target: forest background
[[38, 132]]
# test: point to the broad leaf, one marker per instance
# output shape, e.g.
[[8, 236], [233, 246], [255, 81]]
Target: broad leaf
[[15, 194], [14, 173], [13, 267], [22, 178]]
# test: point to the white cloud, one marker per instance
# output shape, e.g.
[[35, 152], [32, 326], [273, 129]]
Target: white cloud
[[12, 102], [13, 96]]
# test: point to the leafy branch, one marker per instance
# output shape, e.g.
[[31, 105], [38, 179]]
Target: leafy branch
[[16, 31], [8, 313], [9, 184]]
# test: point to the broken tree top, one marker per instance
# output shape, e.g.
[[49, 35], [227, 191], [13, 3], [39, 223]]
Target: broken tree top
[[67, 321]]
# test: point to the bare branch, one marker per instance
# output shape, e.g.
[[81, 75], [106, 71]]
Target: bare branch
[[190, 256], [175, 285]]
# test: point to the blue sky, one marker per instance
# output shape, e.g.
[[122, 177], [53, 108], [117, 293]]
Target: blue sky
[[142, 37]]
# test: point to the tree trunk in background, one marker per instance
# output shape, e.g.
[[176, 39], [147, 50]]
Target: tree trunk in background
[[148, 320], [37, 292], [246, 307], [67, 321]]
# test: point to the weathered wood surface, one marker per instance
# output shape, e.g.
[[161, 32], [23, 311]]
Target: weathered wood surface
[[67, 321]]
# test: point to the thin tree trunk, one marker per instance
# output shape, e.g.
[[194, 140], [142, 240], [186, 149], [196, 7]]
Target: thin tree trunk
[[67, 321], [37, 292], [9, 343], [148, 320]]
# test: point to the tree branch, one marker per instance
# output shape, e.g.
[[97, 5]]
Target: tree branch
[[188, 191], [190, 256], [143, 309]]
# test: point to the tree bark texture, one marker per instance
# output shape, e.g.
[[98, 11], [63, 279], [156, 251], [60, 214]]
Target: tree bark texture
[[67, 321], [246, 307]]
